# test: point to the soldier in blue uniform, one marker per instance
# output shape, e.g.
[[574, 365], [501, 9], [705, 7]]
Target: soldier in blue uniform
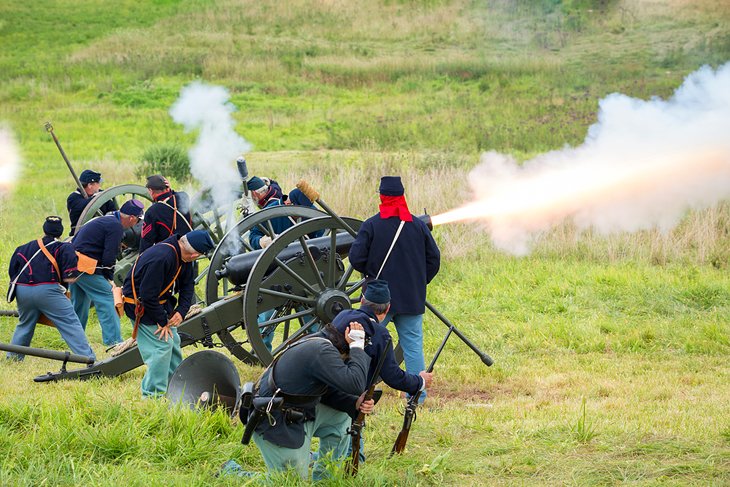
[[374, 306], [76, 201], [170, 213], [36, 280], [97, 244], [301, 375], [396, 246], [266, 193], [148, 291]]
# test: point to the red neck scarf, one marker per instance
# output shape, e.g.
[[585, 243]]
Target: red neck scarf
[[395, 206]]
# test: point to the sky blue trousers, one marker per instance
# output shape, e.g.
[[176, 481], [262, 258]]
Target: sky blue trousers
[[160, 357], [410, 338], [50, 300], [95, 288]]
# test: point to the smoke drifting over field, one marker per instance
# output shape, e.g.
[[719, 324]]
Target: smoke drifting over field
[[642, 165], [206, 108], [9, 160]]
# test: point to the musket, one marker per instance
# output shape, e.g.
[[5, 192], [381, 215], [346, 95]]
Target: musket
[[358, 423], [49, 129], [409, 415]]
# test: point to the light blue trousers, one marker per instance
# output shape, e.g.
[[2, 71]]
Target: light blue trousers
[[94, 288], [329, 425], [410, 338], [160, 357], [50, 300]]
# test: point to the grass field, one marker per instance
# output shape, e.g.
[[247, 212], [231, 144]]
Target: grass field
[[610, 352]]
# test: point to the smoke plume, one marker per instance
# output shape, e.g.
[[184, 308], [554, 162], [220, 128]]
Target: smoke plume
[[206, 108], [641, 166], [9, 161]]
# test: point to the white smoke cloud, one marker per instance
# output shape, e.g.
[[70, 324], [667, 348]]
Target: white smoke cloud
[[9, 160], [641, 166], [206, 108]]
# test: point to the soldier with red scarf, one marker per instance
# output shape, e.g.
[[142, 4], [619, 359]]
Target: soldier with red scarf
[[396, 246]]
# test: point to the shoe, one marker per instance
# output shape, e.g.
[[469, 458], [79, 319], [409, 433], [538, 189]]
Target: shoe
[[231, 467]]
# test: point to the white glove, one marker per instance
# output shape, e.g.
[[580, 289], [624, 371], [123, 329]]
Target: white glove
[[358, 339], [265, 241]]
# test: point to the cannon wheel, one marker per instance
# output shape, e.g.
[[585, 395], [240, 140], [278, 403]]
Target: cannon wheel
[[308, 290], [235, 242], [99, 199]]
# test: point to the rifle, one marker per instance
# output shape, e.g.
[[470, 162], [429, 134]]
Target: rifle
[[355, 430], [409, 415]]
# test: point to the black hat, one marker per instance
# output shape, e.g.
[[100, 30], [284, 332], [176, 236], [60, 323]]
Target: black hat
[[200, 241], [157, 182], [132, 208], [377, 292], [391, 186], [53, 226], [255, 183], [89, 176]]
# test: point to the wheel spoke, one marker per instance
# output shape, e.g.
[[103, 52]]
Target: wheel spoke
[[332, 258], [295, 336], [355, 287], [276, 321], [296, 276], [312, 264], [292, 297], [345, 277]]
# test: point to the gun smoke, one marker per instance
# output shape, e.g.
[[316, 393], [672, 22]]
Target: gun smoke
[[206, 108], [9, 161], [641, 166]]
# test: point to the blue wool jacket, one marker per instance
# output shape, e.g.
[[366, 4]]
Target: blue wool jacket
[[40, 270], [380, 343], [153, 271], [412, 264], [100, 239], [76, 202], [158, 219], [279, 225]]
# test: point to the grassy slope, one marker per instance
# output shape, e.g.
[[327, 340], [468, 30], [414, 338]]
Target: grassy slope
[[640, 346]]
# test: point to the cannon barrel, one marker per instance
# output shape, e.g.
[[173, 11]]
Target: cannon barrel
[[238, 267], [43, 353]]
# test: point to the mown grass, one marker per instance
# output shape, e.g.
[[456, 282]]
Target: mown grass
[[610, 353]]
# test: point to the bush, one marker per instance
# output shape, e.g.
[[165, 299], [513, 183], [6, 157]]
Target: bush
[[170, 160]]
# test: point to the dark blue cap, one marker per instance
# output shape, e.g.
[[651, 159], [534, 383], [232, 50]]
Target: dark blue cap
[[53, 226], [377, 292], [89, 176], [132, 208], [255, 183], [298, 198], [391, 186], [200, 241], [157, 182]]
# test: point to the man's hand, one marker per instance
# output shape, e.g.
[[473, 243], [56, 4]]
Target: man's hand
[[163, 332], [175, 320], [355, 335], [265, 241], [365, 407], [427, 378]]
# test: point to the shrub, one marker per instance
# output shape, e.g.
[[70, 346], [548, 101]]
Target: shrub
[[170, 160]]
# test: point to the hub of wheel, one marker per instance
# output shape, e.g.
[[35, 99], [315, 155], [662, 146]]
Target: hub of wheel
[[331, 302]]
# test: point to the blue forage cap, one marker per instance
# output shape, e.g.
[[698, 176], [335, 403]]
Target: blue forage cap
[[53, 226], [89, 176], [391, 186], [200, 241], [298, 198], [255, 183], [377, 292], [132, 208]]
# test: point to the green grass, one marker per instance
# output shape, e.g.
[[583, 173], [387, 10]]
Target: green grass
[[610, 353]]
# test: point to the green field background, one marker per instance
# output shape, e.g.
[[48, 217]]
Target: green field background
[[610, 352]]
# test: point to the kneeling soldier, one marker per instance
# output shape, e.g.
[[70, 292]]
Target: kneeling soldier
[[149, 302], [287, 412], [36, 272]]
